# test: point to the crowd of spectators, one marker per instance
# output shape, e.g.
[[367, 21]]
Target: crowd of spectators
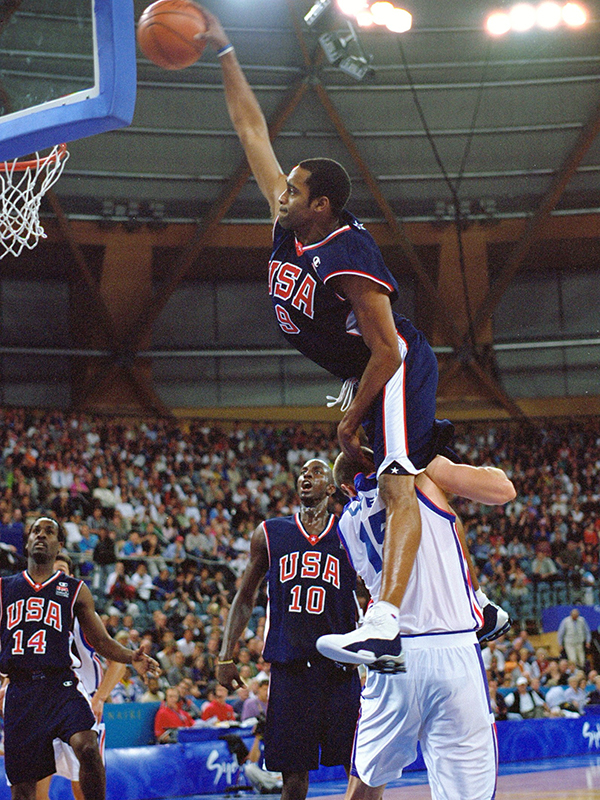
[[159, 515]]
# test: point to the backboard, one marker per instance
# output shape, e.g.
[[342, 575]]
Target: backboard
[[67, 71]]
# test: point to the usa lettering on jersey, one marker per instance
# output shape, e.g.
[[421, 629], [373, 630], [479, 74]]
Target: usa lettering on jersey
[[309, 566], [36, 610], [289, 283]]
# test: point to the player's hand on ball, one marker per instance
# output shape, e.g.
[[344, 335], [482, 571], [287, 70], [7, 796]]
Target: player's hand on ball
[[215, 34]]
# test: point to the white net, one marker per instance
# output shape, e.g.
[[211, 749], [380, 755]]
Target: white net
[[22, 186]]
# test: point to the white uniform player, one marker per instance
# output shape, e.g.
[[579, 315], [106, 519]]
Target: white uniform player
[[442, 699], [90, 674]]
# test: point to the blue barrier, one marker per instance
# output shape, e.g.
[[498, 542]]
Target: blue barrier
[[206, 766], [553, 615], [129, 724]]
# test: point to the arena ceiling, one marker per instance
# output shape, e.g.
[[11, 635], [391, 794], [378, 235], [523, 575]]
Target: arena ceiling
[[449, 128], [448, 114]]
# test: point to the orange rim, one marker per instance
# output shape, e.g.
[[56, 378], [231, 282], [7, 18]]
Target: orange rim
[[21, 166]]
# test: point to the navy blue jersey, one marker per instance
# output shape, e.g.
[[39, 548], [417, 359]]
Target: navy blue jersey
[[35, 623], [313, 318], [311, 589]]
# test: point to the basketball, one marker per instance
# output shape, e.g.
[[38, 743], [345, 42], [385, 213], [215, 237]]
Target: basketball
[[166, 30]]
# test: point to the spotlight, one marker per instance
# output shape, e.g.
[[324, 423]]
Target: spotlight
[[574, 15], [357, 67], [549, 15], [365, 19], [352, 8], [316, 12], [522, 17], [399, 21], [335, 45], [381, 11], [498, 24]]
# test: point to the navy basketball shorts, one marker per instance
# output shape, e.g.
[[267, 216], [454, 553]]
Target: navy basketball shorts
[[311, 716], [400, 424], [35, 713]]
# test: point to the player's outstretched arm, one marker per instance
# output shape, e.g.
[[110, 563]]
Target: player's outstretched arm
[[488, 485], [105, 645], [242, 607], [247, 117]]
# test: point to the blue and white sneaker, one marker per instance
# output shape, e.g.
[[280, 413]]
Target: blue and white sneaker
[[376, 643], [496, 621]]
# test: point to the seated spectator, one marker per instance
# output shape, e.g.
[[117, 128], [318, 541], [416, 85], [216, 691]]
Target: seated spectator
[[555, 698], [543, 568], [104, 554], [178, 671], [490, 650], [132, 546], [164, 586], [169, 717], [73, 529], [526, 702], [142, 582], [104, 495], [257, 703], [166, 655], [575, 694], [153, 693], [189, 698], [201, 671], [129, 689], [85, 547], [197, 542], [217, 709], [186, 644], [175, 551], [120, 589]]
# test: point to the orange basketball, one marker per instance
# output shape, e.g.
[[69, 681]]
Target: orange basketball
[[166, 30]]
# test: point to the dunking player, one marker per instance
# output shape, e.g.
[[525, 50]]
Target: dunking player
[[97, 683], [313, 703], [44, 700], [332, 296], [442, 699]]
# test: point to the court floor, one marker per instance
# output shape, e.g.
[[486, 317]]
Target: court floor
[[575, 778]]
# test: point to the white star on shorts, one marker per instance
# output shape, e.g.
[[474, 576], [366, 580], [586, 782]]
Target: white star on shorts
[[394, 470]]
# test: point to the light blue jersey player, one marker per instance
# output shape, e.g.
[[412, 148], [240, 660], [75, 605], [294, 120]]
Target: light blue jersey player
[[442, 699]]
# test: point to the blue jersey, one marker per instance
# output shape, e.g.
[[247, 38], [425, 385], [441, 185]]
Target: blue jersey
[[312, 316], [35, 623], [311, 589]]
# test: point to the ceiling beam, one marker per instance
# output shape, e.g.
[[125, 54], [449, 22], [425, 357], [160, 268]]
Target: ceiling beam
[[148, 399], [443, 318], [533, 228]]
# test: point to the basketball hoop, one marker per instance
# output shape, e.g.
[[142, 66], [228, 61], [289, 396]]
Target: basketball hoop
[[22, 186]]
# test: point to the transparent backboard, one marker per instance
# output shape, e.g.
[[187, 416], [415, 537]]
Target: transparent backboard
[[67, 70]]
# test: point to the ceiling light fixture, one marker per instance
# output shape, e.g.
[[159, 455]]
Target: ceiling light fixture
[[316, 12]]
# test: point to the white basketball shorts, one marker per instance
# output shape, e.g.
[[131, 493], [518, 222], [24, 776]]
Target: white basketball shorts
[[441, 701]]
